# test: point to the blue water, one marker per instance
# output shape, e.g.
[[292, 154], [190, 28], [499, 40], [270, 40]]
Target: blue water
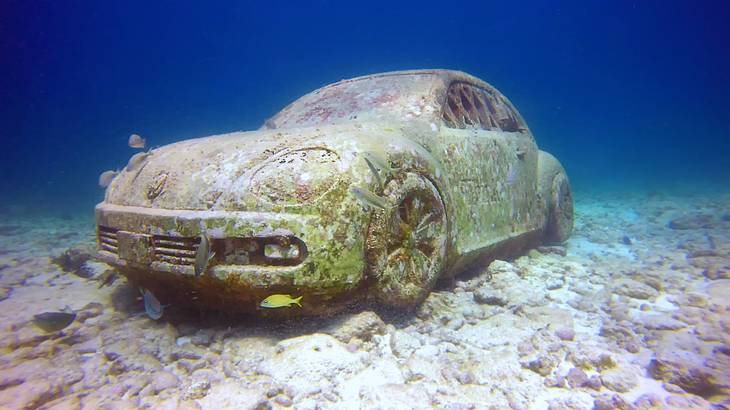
[[625, 94]]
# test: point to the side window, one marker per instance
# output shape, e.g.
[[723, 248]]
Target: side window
[[467, 106]]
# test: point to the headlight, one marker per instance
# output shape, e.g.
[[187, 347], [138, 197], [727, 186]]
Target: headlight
[[276, 250], [297, 177]]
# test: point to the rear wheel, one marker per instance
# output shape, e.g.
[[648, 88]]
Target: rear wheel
[[406, 245], [560, 212]]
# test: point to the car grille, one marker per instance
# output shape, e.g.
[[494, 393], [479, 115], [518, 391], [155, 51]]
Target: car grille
[[175, 250], [170, 249], [181, 251], [108, 239]]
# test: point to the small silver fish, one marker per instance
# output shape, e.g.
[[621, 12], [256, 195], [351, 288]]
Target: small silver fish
[[203, 255], [137, 159], [135, 141], [54, 321], [424, 224], [512, 174], [106, 178], [377, 166], [369, 199], [375, 172], [379, 162], [152, 306]]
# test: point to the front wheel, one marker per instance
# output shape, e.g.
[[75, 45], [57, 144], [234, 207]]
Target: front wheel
[[406, 244]]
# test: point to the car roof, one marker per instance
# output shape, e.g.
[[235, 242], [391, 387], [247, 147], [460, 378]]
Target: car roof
[[445, 74], [327, 105]]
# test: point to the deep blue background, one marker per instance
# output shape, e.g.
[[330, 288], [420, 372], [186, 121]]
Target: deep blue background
[[631, 94]]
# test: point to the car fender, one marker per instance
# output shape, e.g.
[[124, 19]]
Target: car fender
[[408, 156], [549, 170]]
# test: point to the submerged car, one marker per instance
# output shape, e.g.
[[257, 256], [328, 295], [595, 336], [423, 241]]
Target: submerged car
[[371, 188]]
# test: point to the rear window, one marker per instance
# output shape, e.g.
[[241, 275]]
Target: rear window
[[468, 106]]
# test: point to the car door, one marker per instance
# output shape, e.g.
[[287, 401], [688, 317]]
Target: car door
[[479, 159], [477, 170], [520, 178], [521, 158]]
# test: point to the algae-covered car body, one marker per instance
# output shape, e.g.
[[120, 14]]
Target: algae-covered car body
[[372, 187]]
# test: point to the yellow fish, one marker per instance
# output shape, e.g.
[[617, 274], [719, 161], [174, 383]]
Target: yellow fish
[[277, 301]]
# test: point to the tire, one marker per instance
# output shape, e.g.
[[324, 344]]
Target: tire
[[560, 212], [406, 244]]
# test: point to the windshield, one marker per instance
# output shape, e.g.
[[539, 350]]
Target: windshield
[[399, 97]]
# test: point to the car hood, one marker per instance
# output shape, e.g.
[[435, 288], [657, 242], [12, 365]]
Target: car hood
[[240, 171]]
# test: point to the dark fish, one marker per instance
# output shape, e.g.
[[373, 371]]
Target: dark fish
[[152, 306], [107, 278], [51, 322]]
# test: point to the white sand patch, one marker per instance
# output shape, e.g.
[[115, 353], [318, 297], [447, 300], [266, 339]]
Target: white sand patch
[[582, 246]]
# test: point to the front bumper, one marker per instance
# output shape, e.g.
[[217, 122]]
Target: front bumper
[[159, 241]]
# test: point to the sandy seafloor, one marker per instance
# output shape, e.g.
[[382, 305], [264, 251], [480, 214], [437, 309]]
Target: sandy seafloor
[[634, 312]]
